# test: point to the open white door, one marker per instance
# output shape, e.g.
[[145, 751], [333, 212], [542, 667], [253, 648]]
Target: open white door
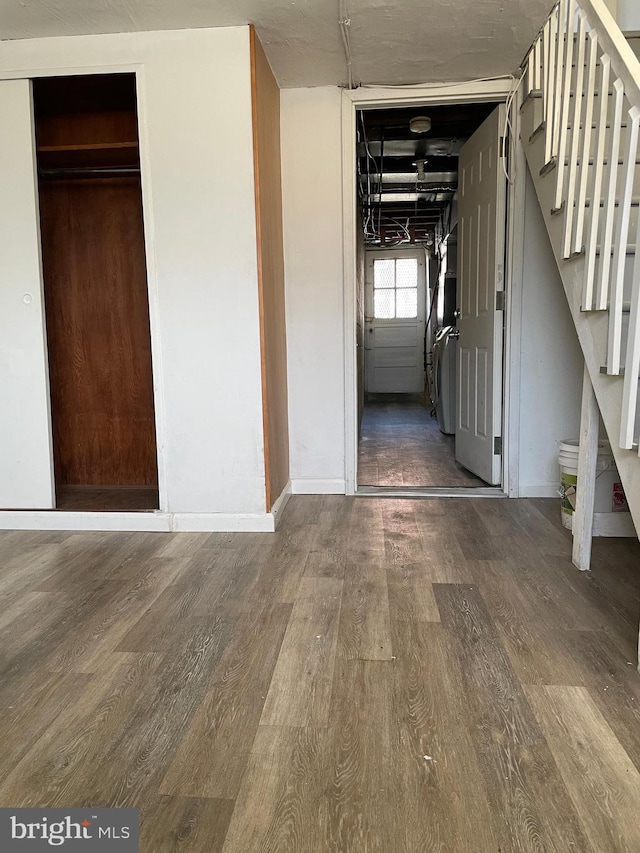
[[480, 290], [26, 468]]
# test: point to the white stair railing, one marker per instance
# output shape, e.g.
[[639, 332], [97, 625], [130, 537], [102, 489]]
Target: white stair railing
[[588, 78]]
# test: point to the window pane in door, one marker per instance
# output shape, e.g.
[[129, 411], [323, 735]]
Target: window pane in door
[[384, 304], [383, 273], [407, 302], [406, 272]]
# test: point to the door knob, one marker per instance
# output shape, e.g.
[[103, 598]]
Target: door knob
[[457, 313]]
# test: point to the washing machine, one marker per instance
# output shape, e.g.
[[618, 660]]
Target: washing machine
[[445, 349]]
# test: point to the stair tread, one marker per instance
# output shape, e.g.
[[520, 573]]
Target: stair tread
[[595, 126], [596, 94], [630, 250], [635, 203], [539, 129], [585, 129], [553, 163], [626, 309]]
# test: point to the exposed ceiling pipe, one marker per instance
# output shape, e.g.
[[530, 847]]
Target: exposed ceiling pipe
[[345, 23], [380, 184]]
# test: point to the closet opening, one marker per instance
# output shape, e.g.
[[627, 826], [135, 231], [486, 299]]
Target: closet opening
[[96, 298]]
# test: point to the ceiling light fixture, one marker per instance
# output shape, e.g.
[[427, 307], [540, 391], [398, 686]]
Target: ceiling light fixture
[[419, 164], [420, 124]]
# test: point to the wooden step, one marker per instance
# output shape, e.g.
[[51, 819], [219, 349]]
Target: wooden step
[[533, 95], [635, 204], [626, 309], [540, 129], [593, 329], [553, 163], [630, 250]]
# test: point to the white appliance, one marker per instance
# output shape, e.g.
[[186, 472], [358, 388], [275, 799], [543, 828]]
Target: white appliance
[[445, 349]]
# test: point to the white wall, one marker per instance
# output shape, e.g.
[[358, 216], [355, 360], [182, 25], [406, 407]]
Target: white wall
[[196, 143], [628, 15], [552, 362], [312, 211], [551, 357]]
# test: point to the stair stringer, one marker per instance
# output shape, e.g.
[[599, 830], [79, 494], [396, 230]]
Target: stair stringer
[[591, 327]]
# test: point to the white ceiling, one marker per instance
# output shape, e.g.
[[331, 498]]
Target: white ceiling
[[393, 41]]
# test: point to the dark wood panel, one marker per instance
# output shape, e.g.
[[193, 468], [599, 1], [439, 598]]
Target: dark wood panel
[[98, 332], [89, 156], [84, 93], [86, 128], [273, 343], [112, 498]]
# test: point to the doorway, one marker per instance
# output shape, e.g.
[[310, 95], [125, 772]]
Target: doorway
[[95, 293], [423, 175]]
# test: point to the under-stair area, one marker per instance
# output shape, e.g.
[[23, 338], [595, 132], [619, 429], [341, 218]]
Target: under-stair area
[[580, 124]]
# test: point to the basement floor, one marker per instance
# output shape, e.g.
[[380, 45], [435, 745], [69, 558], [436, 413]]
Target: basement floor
[[401, 445], [377, 676]]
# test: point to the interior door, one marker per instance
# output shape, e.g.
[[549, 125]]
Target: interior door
[[26, 468], [481, 251], [395, 321]]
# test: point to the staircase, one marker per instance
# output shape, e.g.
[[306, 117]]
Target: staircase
[[580, 127]]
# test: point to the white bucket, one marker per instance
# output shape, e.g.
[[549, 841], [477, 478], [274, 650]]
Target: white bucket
[[609, 495]]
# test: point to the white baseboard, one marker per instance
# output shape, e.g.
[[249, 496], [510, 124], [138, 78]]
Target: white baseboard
[[309, 486], [280, 503], [52, 520], [214, 522], [223, 522], [540, 490]]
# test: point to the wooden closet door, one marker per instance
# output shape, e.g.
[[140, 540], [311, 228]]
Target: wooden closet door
[[98, 332]]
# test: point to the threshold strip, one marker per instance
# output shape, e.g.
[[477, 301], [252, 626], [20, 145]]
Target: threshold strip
[[430, 492]]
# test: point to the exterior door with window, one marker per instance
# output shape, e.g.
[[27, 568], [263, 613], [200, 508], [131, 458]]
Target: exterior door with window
[[395, 317]]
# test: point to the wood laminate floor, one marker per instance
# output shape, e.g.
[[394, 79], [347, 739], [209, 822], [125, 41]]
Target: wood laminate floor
[[401, 445], [378, 676]]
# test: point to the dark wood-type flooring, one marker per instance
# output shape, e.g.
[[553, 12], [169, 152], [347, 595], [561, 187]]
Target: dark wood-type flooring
[[401, 445], [106, 499], [378, 676]]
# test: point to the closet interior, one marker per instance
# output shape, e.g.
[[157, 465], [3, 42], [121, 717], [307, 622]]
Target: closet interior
[[96, 298]]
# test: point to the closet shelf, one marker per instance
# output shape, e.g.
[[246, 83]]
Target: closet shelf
[[89, 155], [91, 146]]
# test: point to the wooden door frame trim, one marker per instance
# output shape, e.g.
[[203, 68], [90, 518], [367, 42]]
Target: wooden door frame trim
[[469, 92], [259, 246]]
